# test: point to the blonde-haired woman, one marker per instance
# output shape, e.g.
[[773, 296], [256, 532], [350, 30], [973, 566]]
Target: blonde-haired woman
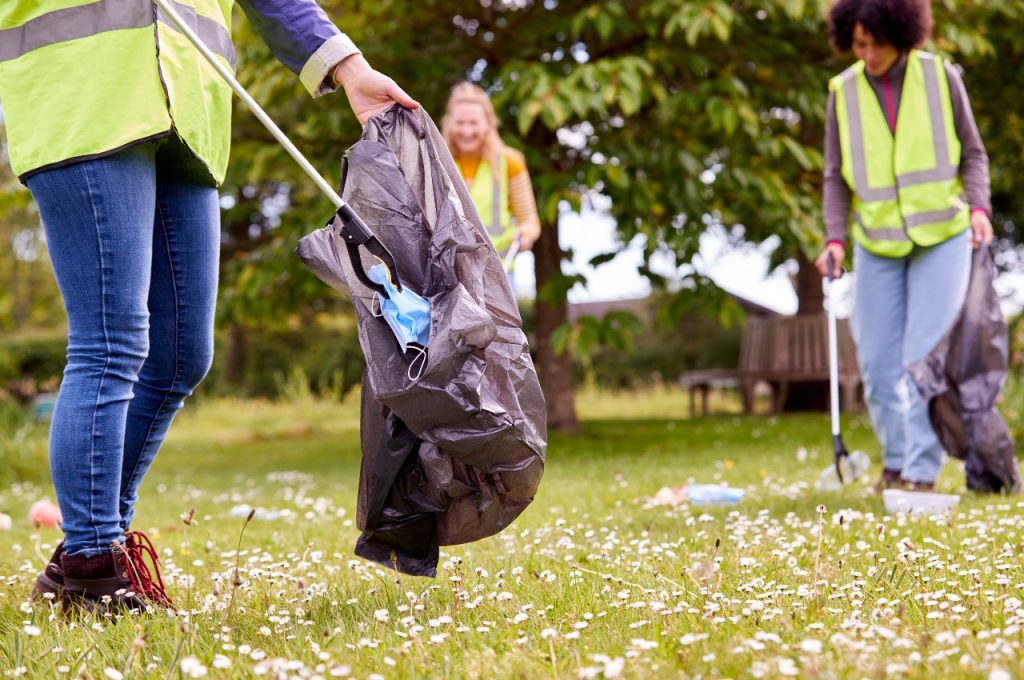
[[495, 173]]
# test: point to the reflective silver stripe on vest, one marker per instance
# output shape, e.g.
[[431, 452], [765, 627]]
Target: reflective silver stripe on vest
[[73, 23], [860, 166], [496, 227], [213, 35], [931, 217], [943, 170], [950, 172], [882, 233]]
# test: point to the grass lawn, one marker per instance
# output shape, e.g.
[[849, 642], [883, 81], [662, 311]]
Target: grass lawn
[[592, 581]]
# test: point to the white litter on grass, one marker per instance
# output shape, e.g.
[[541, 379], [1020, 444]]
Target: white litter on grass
[[918, 502], [675, 495], [855, 466]]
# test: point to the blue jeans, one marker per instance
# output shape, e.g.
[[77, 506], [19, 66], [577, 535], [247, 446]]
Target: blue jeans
[[902, 309], [134, 238]]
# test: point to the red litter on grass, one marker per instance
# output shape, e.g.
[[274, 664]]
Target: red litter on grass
[[44, 513]]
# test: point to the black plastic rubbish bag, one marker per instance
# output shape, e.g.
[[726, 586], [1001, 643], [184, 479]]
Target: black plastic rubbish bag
[[457, 453], [962, 378]]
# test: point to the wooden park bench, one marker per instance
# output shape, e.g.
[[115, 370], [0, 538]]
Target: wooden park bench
[[702, 381], [779, 351]]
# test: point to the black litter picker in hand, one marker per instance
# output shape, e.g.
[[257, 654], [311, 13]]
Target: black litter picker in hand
[[454, 440]]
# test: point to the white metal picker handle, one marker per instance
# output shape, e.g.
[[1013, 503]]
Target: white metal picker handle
[[833, 361], [257, 110], [833, 346]]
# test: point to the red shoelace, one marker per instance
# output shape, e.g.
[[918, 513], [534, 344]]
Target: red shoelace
[[145, 573]]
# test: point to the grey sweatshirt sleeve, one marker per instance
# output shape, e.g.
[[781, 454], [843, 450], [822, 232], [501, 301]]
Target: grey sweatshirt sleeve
[[973, 158], [836, 193]]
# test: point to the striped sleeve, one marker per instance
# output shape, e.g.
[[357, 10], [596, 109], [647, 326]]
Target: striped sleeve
[[521, 201]]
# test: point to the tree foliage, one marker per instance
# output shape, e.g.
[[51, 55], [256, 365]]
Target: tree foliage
[[686, 113], [28, 291]]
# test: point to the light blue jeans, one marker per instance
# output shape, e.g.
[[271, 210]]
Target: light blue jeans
[[902, 308], [135, 240]]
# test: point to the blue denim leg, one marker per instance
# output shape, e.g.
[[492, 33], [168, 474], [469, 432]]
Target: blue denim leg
[[182, 299], [98, 217], [902, 308], [878, 323], [937, 279]]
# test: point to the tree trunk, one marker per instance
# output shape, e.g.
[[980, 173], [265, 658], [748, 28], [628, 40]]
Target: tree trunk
[[554, 370], [234, 365], [807, 396], [809, 294]]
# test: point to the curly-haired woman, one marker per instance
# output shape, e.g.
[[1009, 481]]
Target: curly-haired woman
[[906, 170]]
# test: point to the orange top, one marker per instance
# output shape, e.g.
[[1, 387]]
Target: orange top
[[469, 165], [521, 202]]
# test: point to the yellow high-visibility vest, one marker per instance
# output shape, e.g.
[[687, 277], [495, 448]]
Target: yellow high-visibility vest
[[490, 196], [84, 78], [906, 186]]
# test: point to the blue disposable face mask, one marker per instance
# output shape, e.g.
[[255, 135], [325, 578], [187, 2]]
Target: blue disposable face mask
[[407, 314]]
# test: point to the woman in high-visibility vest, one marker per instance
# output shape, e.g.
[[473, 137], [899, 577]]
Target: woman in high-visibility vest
[[121, 130], [495, 174], [906, 171]]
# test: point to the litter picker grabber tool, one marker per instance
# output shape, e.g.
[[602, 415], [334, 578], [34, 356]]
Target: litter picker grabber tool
[[353, 230], [841, 454], [510, 255]]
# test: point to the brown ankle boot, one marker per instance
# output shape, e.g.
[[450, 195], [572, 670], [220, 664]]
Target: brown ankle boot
[[125, 579], [100, 584], [50, 581], [890, 479]]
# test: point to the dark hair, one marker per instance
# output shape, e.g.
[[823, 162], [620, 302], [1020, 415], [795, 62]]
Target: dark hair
[[904, 24]]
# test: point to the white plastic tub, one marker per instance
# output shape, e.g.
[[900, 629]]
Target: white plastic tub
[[918, 502]]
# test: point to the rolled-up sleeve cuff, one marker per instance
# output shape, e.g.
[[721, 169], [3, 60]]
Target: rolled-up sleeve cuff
[[315, 75]]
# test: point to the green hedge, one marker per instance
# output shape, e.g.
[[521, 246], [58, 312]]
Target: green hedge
[[31, 363], [661, 355], [321, 360], [39, 357], [326, 361], [23, 446]]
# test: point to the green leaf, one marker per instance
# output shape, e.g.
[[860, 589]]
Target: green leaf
[[720, 27], [528, 113], [798, 152], [560, 338], [605, 25], [554, 113], [695, 29], [795, 8], [603, 258], [730, 119]]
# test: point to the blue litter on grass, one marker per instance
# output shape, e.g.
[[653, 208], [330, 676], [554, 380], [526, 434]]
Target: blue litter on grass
[[42, 407], [712, 494]]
